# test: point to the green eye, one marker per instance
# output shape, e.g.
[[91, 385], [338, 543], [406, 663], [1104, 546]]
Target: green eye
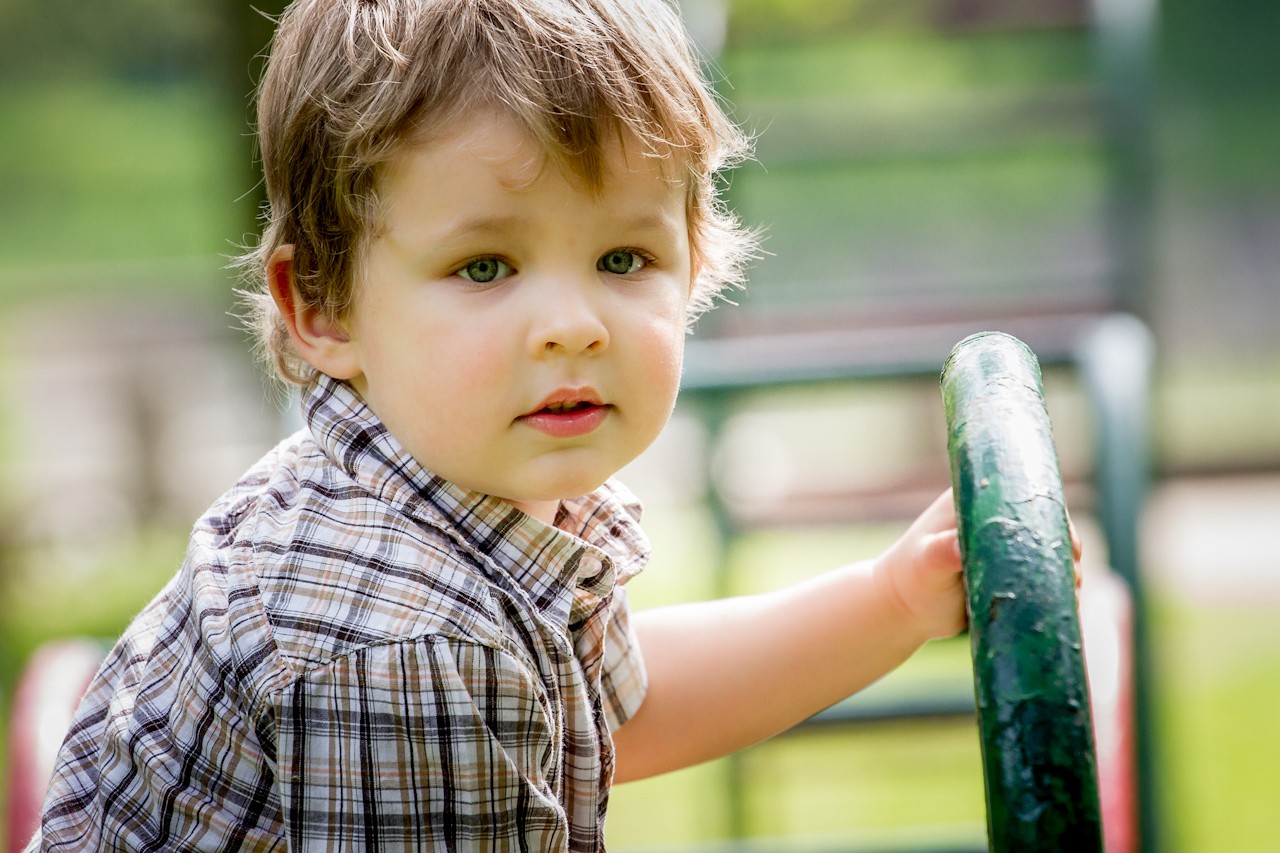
[[485, 270], [622, 262]]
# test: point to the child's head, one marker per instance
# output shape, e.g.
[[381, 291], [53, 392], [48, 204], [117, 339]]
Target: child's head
[[351, 84]]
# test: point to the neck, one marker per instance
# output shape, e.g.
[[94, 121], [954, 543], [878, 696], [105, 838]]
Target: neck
[[544, 511]]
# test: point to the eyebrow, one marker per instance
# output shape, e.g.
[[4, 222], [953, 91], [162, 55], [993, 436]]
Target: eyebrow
[[499, 225], [649, 222], [483, 225]]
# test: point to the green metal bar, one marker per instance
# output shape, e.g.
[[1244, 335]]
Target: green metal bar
[[1029, 678]]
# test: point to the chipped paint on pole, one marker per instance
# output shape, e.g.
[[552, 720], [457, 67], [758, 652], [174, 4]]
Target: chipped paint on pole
[[1029, 679]]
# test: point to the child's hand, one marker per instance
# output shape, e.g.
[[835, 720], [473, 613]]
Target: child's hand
[[920, 572]]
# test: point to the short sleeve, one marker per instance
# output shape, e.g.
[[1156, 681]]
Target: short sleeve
[[623, 680], [431, 744]]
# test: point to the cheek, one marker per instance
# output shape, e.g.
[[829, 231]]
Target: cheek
[[433, 369], [466, 360], [449, 404], [466, 368], [663, 358]]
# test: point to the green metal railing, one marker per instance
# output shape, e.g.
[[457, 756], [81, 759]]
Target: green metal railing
[[1029, 677]]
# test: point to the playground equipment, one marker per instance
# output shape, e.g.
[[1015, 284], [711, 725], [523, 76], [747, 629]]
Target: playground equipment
[[1029, 673], [1110, 359]]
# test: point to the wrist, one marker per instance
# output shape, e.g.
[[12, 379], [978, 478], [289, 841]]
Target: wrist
[[887, 586]]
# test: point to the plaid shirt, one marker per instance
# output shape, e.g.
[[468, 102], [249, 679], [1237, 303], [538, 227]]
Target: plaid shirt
[[358, 655]]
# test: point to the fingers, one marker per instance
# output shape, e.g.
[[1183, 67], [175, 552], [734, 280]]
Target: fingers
[[942, 550], [944, 505], [939, 517], [1077, 549]]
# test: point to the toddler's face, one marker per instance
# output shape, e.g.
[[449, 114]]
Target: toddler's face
[[520, 334]]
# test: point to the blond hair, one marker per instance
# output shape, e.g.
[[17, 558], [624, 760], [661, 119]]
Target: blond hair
[[350, 82]]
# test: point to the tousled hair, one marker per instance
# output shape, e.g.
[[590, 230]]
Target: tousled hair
[[350, 83]]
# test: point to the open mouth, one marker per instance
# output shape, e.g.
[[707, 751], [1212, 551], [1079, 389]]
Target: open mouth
[[567, 408], [568, 419]]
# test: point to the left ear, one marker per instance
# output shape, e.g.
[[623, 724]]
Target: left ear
[[321, 340]]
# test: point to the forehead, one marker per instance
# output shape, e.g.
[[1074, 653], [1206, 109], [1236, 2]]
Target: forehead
[[520, 156], [487, 176]]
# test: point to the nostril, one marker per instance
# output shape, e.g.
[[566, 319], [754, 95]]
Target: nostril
[[572, 344]]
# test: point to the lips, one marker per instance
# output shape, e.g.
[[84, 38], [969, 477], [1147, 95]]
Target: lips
[[568, 414]]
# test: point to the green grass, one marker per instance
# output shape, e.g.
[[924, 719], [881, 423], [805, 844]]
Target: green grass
[[91, 588], [1220, 671], [896, 168]]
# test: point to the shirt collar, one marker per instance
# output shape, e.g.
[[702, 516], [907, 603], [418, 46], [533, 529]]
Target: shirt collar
[[595, 544]]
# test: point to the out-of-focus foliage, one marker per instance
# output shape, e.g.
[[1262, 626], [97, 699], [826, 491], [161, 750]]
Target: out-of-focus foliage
[[127, 134], [132, 39], [788, 21], [100, 172], [1220, 72]]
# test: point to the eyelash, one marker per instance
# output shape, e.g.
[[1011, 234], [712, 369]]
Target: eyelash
[[491, 258], [649, 260], [646, 257]]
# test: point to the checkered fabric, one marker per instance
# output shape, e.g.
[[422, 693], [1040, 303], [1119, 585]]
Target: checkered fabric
[[357, 655]]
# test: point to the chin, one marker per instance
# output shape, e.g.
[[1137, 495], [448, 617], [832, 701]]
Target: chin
[[574, 487]]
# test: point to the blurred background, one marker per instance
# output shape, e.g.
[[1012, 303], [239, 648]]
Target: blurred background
[[923, 166]]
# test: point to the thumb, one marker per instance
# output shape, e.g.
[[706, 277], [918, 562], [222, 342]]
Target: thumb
[[942, 549]]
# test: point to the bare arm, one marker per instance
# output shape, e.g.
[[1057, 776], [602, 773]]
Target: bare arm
[[725, 674]]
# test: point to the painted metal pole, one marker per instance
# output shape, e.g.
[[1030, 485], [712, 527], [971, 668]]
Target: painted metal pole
[[1029, 678]]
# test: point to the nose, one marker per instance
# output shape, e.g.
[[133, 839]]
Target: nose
[[567, 319]]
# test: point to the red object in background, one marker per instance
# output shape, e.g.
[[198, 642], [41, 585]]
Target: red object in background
[[1106, 623], [48, 692]]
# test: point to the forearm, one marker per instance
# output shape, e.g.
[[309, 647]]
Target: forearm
[[725, 674]]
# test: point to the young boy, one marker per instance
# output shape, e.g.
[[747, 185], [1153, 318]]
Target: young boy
[[491, 222]]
